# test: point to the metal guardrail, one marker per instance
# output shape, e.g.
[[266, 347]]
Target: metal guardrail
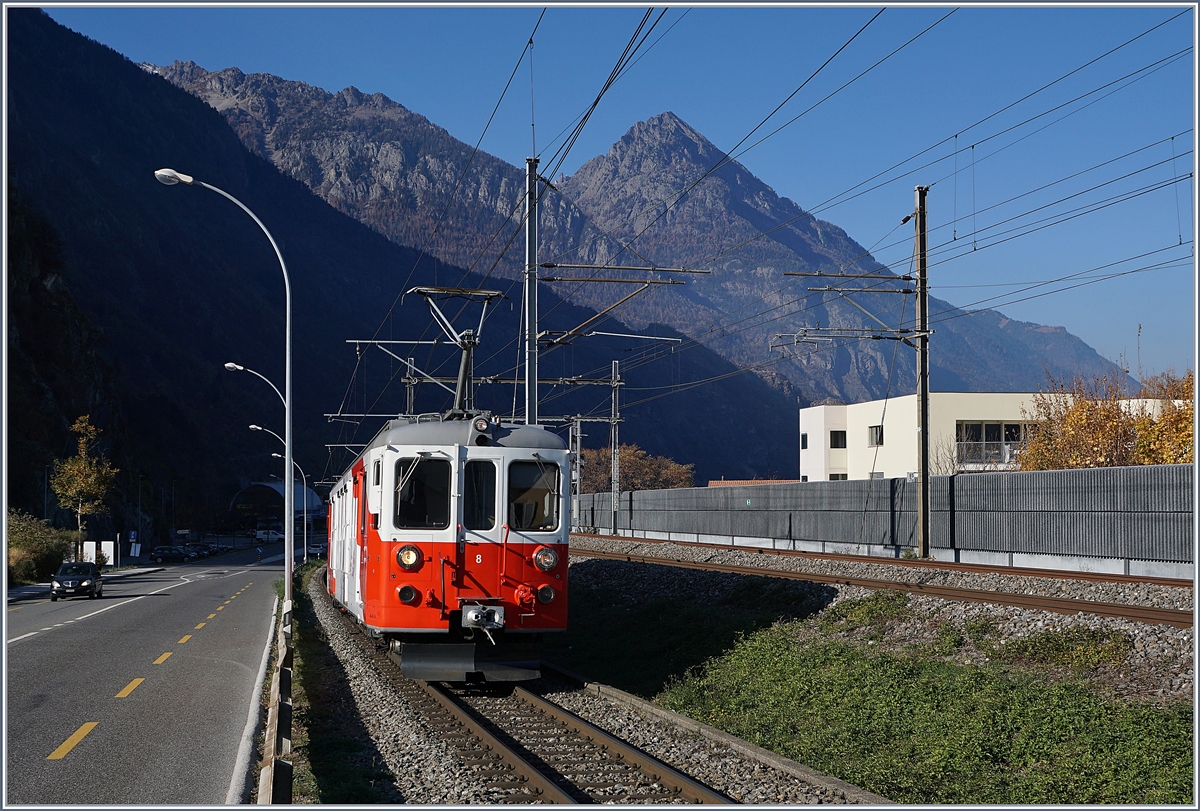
[[275, 776]]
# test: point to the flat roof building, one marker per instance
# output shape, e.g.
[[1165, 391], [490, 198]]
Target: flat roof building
[[969, 431]]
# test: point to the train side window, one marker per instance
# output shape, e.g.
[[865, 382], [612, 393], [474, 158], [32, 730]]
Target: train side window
[[479, 496], [422, 494], [533, 496], [378, 467]]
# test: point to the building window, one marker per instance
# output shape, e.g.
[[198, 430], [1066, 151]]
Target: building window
[[803, 478], [838, 477], [989, 442], [875, 474], [837, 439], [874, 436], [804, 442]]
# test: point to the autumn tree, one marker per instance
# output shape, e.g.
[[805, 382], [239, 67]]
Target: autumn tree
[[1081, 423], [82, 481], [639, 470], [1164, 437]]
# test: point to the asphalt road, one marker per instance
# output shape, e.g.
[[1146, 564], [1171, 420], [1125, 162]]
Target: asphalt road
[[141, 696]]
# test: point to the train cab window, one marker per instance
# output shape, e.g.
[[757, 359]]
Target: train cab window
[[479, 495], [533, 496], [422, 494]]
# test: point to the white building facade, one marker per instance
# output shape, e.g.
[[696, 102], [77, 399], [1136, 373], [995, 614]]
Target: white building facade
[[969, 431]]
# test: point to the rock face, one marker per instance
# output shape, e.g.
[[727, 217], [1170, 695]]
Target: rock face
[[663, 194], [681, 202], [390, 168]]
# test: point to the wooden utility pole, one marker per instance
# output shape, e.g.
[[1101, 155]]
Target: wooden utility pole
[[531, 333], [922, 246]]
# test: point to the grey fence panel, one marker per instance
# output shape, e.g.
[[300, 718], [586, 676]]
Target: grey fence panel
[[1141, 513]]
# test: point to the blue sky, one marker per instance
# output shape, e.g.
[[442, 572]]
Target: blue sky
[[1082, 189]]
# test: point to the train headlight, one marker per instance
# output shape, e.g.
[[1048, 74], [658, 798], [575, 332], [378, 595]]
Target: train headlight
[[409, 557], [545, 594], [408, 595], [481, 424], [545, 558]]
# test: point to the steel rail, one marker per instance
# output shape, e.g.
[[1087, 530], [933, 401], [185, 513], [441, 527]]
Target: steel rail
[[540, 785], [975, 568], [1058, 605], [653, 768]]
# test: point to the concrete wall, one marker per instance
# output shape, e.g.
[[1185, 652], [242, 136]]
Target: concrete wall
[[1133, 519]]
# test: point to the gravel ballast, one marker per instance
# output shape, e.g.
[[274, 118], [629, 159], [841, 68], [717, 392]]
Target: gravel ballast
[[1159, 665]]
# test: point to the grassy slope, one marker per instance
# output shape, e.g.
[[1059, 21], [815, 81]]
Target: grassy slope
[[907, 725]]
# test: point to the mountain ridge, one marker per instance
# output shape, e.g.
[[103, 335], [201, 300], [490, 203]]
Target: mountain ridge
[[736, 311]]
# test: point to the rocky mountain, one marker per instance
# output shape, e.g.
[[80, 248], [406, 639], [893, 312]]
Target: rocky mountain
[[126, 298], [396, 171], [680, 201], [386, 166]]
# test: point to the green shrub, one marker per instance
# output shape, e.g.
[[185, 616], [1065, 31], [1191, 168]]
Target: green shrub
[[873, 611], [1076, 648], [35, 549]]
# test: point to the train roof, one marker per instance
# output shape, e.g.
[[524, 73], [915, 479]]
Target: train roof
[[459, 432]]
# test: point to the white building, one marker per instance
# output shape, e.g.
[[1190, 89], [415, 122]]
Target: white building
[[969, 431]]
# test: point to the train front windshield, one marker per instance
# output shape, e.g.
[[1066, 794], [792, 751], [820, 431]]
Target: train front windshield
[[422, 494], [533, 496]]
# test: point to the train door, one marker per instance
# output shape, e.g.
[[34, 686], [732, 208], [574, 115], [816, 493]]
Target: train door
[[482, 535], [354, 543]]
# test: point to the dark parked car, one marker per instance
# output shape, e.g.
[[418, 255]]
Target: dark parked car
[[73, 579], [201, 550], [170, 554]]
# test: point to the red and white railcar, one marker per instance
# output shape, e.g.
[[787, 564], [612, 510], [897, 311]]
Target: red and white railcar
[[448, 538]]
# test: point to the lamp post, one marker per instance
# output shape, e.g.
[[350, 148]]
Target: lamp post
[[304, 476], [302, 473], [234, 367], [169, 177]]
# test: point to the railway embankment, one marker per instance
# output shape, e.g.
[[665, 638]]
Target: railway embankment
[[909, 697], [919, 699]]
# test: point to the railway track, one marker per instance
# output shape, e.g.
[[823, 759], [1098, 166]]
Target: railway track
[[909, 563], [530, 750], [1162, 616]]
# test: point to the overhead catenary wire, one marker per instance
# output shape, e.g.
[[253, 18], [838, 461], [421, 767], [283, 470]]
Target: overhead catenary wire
[[993, 226], [835, 200]]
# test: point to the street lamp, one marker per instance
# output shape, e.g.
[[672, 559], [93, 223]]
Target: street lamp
[[233, 367], [170, 177], [302, 473], [304, 476]]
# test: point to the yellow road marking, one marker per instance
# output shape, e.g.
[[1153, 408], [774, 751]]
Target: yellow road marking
[[185, 639], [220, 608], [210, 616], [71, 742], [201, 625], [227, 602], [129, 688], [163, 658]]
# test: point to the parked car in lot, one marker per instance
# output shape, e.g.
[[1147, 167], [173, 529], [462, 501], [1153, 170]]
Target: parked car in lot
[[73, 579], [318, 548], [170, 554], [269, 535], [201, 550]]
